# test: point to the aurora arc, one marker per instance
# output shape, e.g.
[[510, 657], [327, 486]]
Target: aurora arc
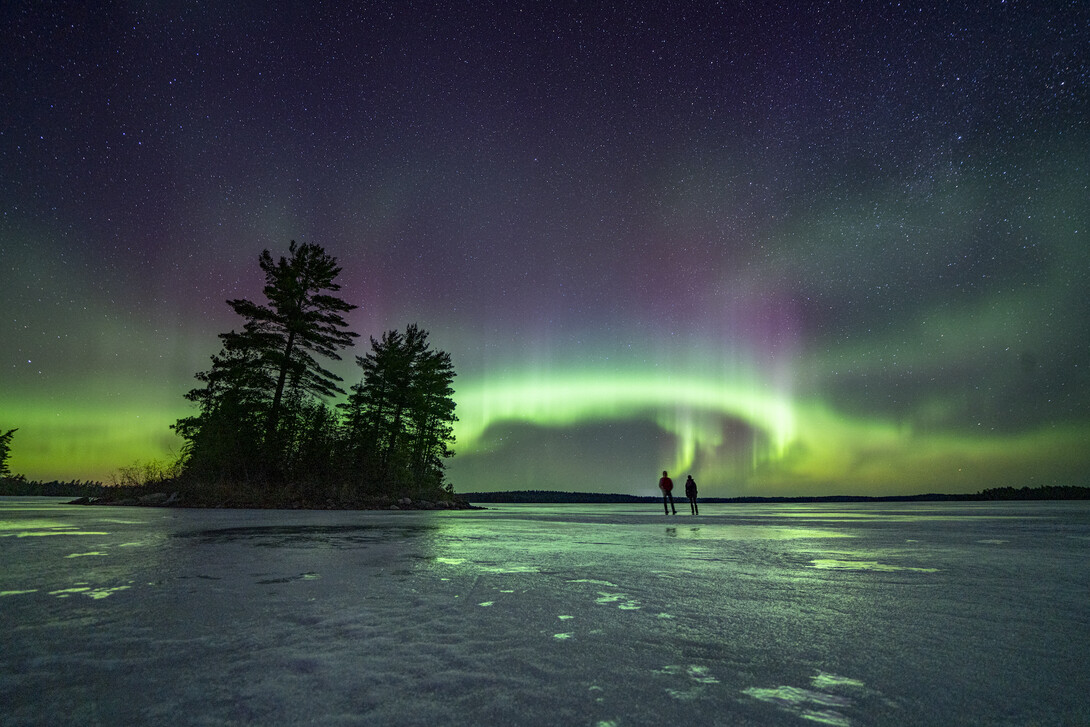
[[800, 447], [687, 408]]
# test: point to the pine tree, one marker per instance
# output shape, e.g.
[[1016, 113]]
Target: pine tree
[[299, 320], [268, 373], [376, 406], [432, 416], [398, 419]]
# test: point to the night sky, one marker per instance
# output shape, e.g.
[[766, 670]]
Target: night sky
[[825, 248]]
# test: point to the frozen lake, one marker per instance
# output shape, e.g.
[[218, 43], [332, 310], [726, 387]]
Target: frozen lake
[[847, 614]]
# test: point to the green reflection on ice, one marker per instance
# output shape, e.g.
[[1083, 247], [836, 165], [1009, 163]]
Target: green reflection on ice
[[32, 524], [824, 680], [95, 593], [871, 565], [39, 533], [755, 532], [39, 527]]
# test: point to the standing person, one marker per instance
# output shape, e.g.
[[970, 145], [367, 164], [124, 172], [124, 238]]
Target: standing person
[[667, 487], [690, 492]]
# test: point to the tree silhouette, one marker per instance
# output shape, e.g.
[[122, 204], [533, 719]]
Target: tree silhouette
[[264, 429], [5, 452], [237, 434], [225, 439], [299, 320], [398, 419], [431, 414]]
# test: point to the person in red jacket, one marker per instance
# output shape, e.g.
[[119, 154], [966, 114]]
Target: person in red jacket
[[667, 487]]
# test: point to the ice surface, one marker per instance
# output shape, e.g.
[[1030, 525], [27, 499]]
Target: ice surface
[[847, 614]]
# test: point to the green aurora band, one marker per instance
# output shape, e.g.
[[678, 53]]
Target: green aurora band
[[800, 448], [84, 440], [689, 409], [794, 447]]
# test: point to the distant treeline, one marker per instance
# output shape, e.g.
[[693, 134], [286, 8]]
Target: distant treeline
[[18, 486], [548, 496], [1049, 492], [75, 488]]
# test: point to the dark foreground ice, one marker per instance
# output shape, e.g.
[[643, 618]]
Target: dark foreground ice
[[854, 614]]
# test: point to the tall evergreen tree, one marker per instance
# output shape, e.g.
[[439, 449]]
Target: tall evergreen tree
[[431, 416], [398, 418], [375, 407], [268, 364], [300, 319]]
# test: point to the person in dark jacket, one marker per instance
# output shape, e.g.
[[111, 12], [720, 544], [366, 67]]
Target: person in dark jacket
[[667, 487], [690, 492]]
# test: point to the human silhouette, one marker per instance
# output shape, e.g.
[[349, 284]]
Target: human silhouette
[[690, 492], [667, 487]]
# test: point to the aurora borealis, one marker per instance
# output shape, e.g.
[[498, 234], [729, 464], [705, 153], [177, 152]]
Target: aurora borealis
[[835, 248]]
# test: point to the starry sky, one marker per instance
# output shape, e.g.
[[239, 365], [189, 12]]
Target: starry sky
[[825, 248]]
